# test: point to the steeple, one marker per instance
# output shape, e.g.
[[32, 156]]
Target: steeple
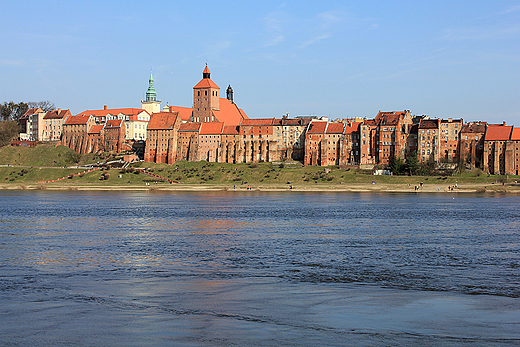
[[229, 93], [206, 73], [151, 95], [205, 98], [150, 103]]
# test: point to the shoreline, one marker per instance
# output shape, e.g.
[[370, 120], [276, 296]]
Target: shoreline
[[473, 188]]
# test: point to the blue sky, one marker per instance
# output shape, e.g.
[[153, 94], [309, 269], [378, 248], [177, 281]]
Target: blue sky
[[341, 59]]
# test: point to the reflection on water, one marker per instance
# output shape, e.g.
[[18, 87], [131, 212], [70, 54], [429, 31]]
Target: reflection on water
[[259, 269]]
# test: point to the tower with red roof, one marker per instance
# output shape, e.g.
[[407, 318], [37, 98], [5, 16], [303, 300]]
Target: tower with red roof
[[205, 98]]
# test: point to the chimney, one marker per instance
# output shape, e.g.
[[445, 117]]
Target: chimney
[[503, 123], [105, 107]]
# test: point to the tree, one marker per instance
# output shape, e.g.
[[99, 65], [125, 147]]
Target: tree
[[412, 163], [44, 105], [9, 130], [13, 111], [396, 165]]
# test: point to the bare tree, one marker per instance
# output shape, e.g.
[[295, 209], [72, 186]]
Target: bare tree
[[45, 105]]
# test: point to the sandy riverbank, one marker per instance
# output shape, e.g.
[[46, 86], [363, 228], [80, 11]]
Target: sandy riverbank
[[321, 187]]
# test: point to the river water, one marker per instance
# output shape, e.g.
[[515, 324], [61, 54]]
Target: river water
[[258, 269]]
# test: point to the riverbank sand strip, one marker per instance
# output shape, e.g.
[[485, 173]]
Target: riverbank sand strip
[[346, 187]]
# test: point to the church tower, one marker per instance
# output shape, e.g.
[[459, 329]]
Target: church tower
[[229, 94], [205, 99], [151, 104]]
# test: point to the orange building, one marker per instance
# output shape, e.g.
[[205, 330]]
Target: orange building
[[162, 141]]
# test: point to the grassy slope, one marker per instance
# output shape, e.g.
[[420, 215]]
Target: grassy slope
[[260, 174]]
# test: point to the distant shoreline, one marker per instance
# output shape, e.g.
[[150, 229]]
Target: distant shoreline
[[480, 188]]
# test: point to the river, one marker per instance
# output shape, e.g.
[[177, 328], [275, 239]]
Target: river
[[258, 269]]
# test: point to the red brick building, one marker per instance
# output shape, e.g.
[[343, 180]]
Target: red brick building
[[428, 140], [114, 135], [96, 138], [471, 146], [162, 137], [256, 136], [75, 133], [515, 139], [210, 135], [498, 149], [350, 152], [188, 142], [230, 144], [315, 149], [208, 106], [449, 140]]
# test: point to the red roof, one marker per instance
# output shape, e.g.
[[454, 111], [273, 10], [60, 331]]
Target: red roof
[[230, 130], [190, 127], [113, 123], [57, 114], [335, 128], [389, 118], [206, 82], [75, 120], [317, 128], [162, 121], [352, 128], [30, 112], [429, 124], [211, 128], [257, 122], [96, 129], [113, 111], [229, 113], [295, 122], [474, 127], [185, 112], [495, 132], [515, 136]]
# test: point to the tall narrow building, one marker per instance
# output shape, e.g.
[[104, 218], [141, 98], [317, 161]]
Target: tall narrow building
[[205, 99], [151, 104]]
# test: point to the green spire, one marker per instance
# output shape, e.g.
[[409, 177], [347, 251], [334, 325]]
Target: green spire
[[151, 95]]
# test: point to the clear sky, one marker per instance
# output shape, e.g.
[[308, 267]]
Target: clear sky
[[458, 59]]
